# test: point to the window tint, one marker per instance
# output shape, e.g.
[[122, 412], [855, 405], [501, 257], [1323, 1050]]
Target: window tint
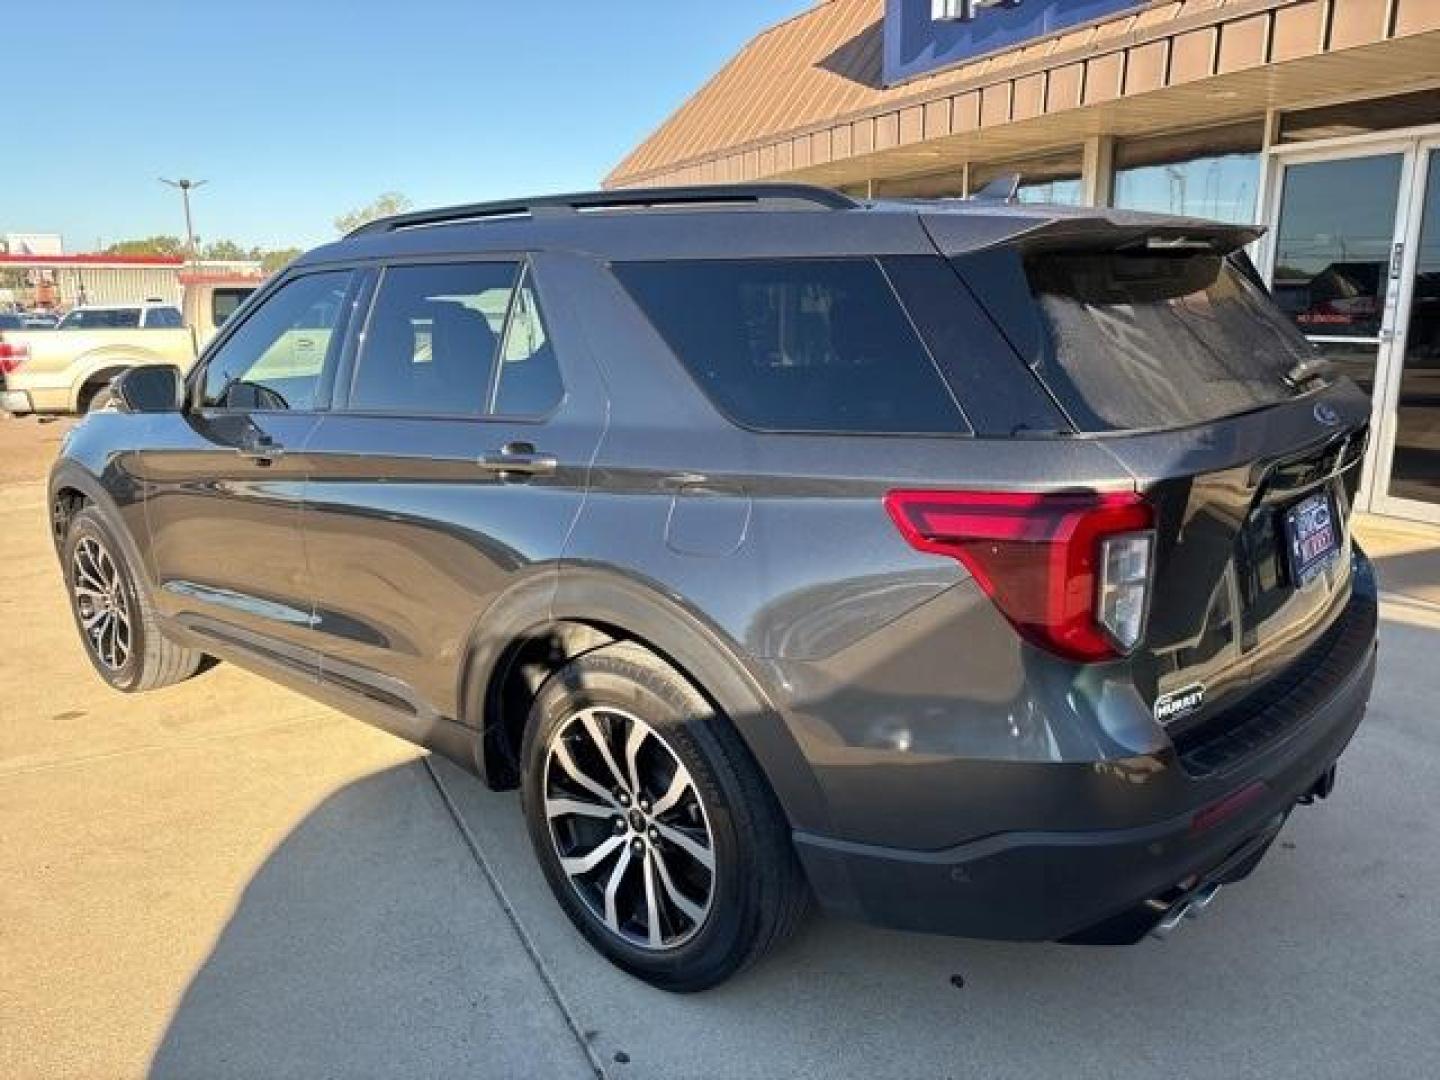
[[162, 317], [432, 338], [797, 345], [1161, 341], [275, 359], [223, 303], [529, 377]]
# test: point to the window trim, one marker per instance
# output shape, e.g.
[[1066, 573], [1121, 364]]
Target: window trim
[[195, 387], [345, 378]]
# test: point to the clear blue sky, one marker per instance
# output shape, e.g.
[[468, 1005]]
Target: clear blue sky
[[298, 110]]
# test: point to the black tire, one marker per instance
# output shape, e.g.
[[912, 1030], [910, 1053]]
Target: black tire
[[99, 399], [759, 894], [150, 659]]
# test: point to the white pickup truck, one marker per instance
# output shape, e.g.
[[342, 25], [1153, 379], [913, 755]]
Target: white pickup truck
[[65, 369]]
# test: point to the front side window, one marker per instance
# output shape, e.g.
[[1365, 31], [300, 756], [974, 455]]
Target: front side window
[[802, 345], [275, 359]]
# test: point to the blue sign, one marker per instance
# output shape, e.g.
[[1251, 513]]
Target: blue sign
[[922, 36]]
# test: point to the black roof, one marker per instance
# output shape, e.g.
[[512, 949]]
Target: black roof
[[758, 220]]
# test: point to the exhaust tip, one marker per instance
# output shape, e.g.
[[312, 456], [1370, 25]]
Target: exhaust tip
[[1191, 906]]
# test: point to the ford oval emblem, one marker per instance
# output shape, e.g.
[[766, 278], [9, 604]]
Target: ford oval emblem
[[1326, 414]]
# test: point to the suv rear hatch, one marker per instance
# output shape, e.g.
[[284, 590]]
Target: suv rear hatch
[[1156, 340]]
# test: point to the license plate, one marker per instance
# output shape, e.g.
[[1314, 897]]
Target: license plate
[[1313, 536]]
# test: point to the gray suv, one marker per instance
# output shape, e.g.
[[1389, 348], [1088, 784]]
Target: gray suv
[[970, 567]]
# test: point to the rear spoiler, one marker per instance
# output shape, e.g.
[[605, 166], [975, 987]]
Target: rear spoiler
[[1047, 228]]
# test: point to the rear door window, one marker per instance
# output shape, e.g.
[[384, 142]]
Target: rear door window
[[433, 338], [799, 345], [1141, 341]]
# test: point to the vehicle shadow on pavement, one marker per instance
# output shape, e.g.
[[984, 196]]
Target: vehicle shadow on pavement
[[366, 945], [372, 943]]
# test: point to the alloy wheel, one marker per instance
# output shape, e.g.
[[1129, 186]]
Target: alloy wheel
[[628, 826], [100, 602]]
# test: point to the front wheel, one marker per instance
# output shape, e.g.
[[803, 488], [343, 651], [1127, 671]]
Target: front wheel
[[655, 829], [116, 621]]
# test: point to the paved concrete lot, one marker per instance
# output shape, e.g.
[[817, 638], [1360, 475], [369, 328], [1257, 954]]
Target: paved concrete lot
[[224, 879]]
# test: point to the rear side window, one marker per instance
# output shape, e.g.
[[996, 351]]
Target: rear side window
[[163, 318], [1155, 341], [225, 302], [802, 345]]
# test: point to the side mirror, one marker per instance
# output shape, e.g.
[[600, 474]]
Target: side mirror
[[150, 388]]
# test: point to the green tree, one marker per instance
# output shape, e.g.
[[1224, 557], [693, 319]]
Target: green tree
[[225, 249], [392, 202], [150, 245], [274, 261]]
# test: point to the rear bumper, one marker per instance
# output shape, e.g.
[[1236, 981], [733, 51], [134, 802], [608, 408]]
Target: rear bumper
[[1094, 885]]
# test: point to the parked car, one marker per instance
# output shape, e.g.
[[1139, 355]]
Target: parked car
[[974, 568], [11, 321], [68, 370]]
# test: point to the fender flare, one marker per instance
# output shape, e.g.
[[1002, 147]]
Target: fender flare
[[68, 474], [641, 610]]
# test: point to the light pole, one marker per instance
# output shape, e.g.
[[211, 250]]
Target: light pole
[[185, 187]]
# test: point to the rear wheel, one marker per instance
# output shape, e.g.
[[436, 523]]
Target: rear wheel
[[116, 621], [657, 833]]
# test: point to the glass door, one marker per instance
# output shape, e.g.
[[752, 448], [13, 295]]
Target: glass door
[[1410, 461], [1336, 259]]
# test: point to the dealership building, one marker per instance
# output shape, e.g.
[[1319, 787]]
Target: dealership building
[[1319, 119]]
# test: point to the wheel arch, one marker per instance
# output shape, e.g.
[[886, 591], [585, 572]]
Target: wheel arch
[[535, 630]]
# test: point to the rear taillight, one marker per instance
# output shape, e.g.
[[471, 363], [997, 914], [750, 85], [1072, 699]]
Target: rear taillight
[[12, 356], [1071, 571]]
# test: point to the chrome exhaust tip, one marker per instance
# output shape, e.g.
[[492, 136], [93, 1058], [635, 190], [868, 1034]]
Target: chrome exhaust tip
[[1187, 907]]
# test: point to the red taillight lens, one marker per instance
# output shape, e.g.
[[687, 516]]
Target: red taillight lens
[[12, 356], [1044, 560]]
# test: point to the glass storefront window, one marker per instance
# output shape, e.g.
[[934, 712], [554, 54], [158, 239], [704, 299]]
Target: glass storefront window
[[1415, 472], [1064, 191], [1212, 173], [1223, 188]]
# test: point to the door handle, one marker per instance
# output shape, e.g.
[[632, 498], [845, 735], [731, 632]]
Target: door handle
[[520, 459], [259, 446]]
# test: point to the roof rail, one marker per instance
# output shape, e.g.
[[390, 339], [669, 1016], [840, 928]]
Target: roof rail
[[761, 196]]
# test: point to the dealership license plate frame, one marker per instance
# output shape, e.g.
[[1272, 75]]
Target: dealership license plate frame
[[1303, 523]]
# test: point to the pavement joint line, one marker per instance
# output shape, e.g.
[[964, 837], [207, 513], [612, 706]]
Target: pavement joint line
[[551, 986]]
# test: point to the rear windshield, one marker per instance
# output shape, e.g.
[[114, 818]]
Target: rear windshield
[[804, 345], [1149, 341]]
